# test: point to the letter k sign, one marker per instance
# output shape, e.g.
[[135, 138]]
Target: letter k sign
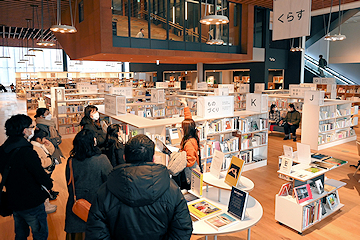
[[253, 102]]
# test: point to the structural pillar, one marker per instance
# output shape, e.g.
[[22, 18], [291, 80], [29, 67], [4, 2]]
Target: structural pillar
[[302, 67], [200, 72]]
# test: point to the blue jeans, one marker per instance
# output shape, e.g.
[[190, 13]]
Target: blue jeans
[[34, 218]]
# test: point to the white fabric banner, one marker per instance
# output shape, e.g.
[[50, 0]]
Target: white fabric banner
[[291, 19]]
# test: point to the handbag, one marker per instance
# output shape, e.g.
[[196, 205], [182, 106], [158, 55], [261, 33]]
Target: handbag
[[4, 198], [81, 206], [177, 162]]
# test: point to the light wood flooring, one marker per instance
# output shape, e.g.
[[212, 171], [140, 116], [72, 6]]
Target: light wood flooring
[[342, 225]]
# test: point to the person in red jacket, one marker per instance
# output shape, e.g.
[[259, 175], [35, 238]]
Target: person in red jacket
[[190, 143]]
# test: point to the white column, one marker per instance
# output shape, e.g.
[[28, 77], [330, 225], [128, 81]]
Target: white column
[[200, 72], [302, 67]]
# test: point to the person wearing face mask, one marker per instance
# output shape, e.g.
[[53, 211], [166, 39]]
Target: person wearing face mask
[[25, 179], [114, 145], [91, 122], [44, 122], [291, 122], [90, 170], [274, 116]]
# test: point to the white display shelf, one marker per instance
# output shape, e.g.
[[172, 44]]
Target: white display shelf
[[336, 142], [254, 165]]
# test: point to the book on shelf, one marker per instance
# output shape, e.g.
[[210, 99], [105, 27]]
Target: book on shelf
[[216, 163], [286, 165], [335, 161], [189, 197], [319, 156], [202, 208], [221, 221], [313, 169], [303, 193], [323, 165], [247, 156], [196, 182], [234, 171], [319, 186], [312, 213], [175, 136], [285, 189], [238, 202], [329, 188], [331, 201]]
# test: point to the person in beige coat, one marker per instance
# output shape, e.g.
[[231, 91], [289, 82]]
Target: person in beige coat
[[44, 148]]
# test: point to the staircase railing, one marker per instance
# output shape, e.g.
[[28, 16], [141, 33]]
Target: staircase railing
[[313, 66], [175, 25]]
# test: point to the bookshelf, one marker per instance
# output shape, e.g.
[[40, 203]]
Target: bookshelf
[[32, 97], [301, 216], [333, 122]]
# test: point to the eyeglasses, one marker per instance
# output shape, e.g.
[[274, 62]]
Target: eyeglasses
[[31, 127]]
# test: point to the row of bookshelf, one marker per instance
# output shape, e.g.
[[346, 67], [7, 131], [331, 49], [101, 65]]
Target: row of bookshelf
[[253, 140], [330, 125], [331, 137], [69, 130]]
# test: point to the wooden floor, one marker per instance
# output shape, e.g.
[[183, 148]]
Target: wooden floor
[[342, 225]]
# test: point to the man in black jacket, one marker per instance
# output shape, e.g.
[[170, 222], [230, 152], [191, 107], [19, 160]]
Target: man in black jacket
[[25, 179], [139, 200]]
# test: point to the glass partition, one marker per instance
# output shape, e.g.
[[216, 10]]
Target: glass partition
[[158, 19], [120, 21], [139, 26]]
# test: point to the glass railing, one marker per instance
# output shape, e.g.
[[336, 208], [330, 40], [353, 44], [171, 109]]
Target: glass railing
[[312, 65]]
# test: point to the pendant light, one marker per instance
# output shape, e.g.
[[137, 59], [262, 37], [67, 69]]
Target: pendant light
[[28, 53], [42, 42], [33, 49], [214, 18], [58, 55], [3, 45], [61, 28], [296, 49], [339, 36]]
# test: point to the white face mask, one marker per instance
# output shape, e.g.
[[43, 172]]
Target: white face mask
[[96, 116], [95, 142], [31, 135], [48, 117]]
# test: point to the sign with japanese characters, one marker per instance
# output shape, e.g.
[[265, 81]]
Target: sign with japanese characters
[[259, 87], [291, 19], [201, 86], [244, 88], [115, 104], [215, 106], [229, 86], [157, 95], [298, 91], [221, 91], [257, 102], [125, 91], [162, 84], [314, 97], [88, 89]]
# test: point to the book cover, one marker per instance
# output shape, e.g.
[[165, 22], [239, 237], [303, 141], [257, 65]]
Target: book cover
[[303, 193], [189, 197], [238, 202], [285, 189], [335, 161], [331, 201], [313, 169], [324, 165], [216, 163], [196, 182], [203, 209], [328, 187], [234, 171], [221, 221], [286, 164], [319, 186]]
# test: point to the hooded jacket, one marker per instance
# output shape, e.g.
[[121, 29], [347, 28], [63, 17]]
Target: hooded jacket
[[26, 175], [139, 201]]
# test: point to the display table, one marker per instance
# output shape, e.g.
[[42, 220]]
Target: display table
[[254, 212], [245, 183]]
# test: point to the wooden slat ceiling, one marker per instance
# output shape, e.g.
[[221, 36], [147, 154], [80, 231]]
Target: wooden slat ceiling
[[13, 13], [316, 4]]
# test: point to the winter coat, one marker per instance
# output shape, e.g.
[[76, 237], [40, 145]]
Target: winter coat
[[191, 147], [139, 201], [88, 123], [53, 136], [89, 175], [293, 117], [115, 154], [26, 174]]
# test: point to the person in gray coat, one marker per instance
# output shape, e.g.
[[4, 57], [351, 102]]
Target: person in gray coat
[[90, 171]]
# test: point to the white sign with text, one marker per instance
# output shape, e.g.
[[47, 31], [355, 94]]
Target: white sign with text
[[244, 88], [257, 102], [115, 104], [125, 91], [157, 95], [229, 86], [215, 106], [259, 87], [314, 97], [221, 91]]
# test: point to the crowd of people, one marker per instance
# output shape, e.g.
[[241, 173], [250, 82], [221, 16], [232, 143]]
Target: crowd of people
[[131, 197]]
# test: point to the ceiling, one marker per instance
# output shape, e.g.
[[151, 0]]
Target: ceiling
[[316, 4]]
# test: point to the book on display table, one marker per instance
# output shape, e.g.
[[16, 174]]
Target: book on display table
[[234, 172], [221, 221], [202, 208]]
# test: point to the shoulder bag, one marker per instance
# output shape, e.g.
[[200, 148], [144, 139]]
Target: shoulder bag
[[177, 162], [4, 198], [81, 207]]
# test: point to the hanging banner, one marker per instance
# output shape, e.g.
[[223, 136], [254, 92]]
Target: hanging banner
[[291, 19]]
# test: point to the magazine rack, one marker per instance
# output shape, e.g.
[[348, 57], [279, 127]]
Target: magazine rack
[[254, 212]]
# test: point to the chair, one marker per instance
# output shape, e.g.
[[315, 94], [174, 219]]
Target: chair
[[358, 166]]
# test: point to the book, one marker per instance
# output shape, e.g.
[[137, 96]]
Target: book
[[234, 171], [319, 186], [328, 187], [319, 156], [189, 197], [221, 221], [324, 165], [331, 201], [313, 169], [238, 202], [288, 151], [303, 193], [285, 189], [335, 161], [216, 163], [203, 208], [286, 164], [196, 182]]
